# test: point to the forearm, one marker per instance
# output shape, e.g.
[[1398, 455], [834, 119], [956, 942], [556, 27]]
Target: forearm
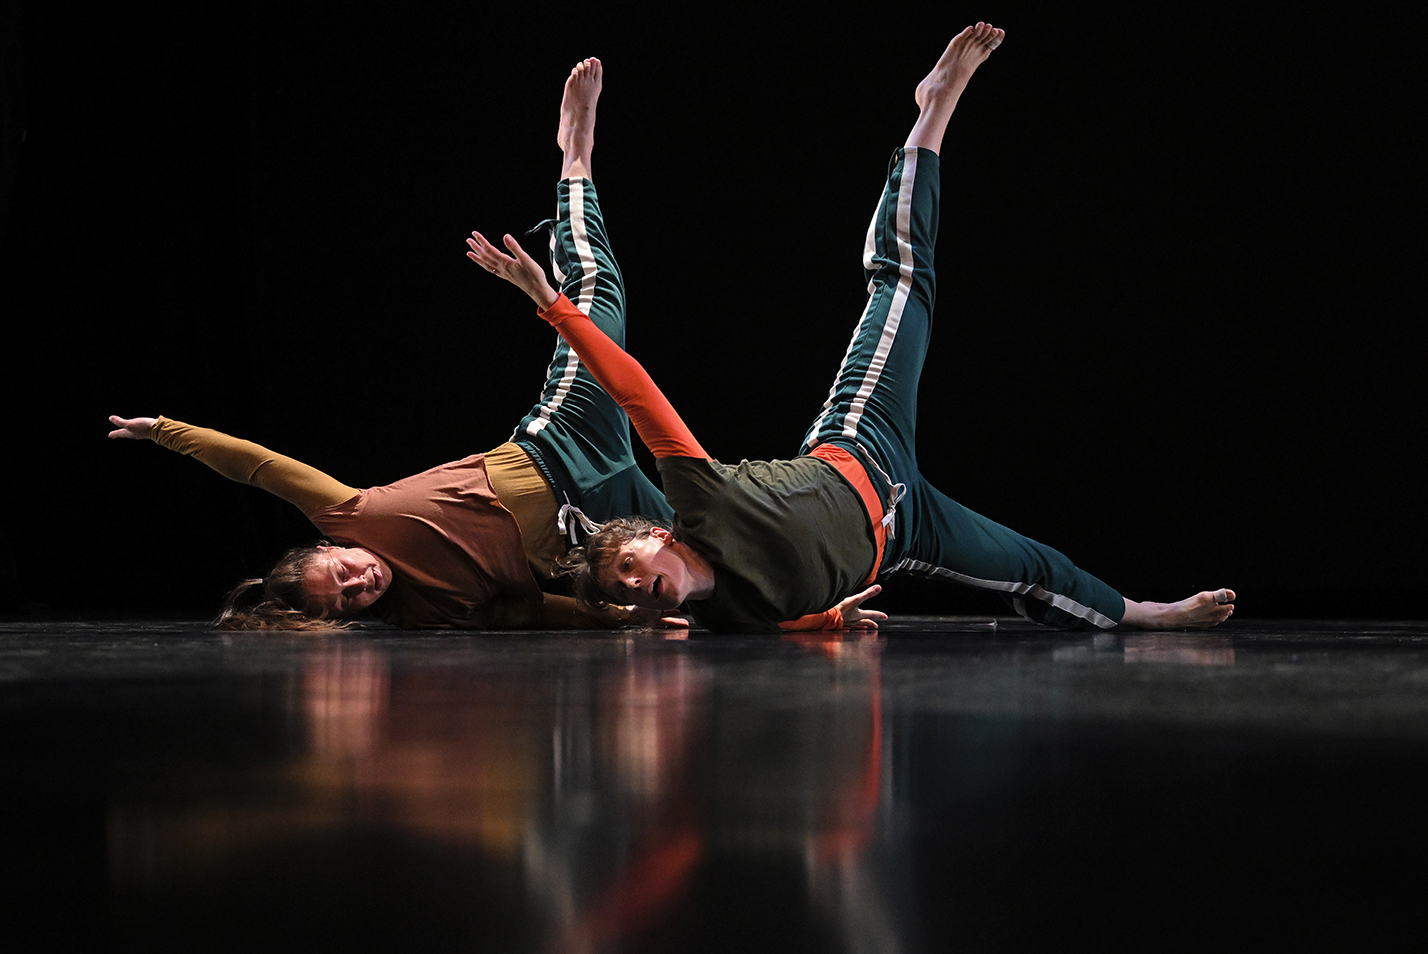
[[305, 487], [564, 612], [558, 612], [625, 379]]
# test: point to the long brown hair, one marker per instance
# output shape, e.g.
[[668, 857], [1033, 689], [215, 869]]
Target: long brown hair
[[275, 601]]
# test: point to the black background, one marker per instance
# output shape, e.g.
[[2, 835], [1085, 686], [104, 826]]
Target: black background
[[1179, 261]]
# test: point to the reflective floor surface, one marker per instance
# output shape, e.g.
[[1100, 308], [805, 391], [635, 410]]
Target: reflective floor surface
[[949, 784]]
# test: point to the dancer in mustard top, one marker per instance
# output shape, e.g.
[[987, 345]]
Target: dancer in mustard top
[[462, 545]]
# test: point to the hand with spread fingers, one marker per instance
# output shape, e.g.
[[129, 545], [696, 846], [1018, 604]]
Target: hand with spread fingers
[[854, 616], [518, 268]]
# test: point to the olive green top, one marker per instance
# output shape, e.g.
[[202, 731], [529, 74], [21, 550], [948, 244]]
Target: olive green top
[[786, 538]]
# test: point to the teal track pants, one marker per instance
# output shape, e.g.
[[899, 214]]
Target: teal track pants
[[576, 434], [872, 411]]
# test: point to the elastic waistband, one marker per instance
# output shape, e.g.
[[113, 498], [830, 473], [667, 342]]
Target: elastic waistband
[[552, 470]]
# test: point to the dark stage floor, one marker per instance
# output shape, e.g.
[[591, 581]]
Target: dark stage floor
[[951, 784]]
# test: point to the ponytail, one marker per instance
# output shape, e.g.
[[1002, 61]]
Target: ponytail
[[275, 601]]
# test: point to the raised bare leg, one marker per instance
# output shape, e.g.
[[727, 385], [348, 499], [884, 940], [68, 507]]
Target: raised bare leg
[[1200, 611], [576, 133], [939, 91]]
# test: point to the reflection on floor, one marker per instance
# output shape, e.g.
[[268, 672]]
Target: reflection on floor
[[946, 784]]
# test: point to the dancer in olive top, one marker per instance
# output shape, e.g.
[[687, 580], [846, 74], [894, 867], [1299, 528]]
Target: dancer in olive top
[[760, 542]]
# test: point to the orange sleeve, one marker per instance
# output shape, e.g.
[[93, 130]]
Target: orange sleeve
[[625, 379], [828, 619]]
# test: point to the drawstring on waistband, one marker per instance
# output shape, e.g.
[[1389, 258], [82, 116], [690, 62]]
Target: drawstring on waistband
[[568, 526], [899, 491]]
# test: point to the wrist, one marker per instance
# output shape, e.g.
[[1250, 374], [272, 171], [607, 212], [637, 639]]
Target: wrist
[[549, 312], [541, 293]]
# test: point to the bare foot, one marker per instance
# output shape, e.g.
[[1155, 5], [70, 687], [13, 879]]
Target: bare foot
[[940, 89], [576, 133], [1200, 611]]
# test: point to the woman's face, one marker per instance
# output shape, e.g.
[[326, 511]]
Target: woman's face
[[343, 581], [647, 572]]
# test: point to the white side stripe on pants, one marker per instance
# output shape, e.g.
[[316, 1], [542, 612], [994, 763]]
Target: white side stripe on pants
[[903, 230], [1063, 603], [588, 274]]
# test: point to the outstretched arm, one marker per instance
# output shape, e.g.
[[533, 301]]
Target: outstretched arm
[[563, 612], [623, 378], [306, 488]]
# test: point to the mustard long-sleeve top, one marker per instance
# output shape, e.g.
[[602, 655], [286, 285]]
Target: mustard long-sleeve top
[[456, 553]]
